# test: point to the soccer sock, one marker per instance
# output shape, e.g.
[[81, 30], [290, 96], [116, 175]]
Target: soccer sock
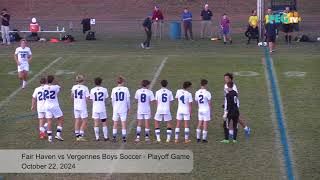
[[59, 130], [77, 133], [96, 132], [186, 133], [105, 132], [124, 133], [231, 133], [147, 132], [81, 133], [138, 131], [177, 133], [198, 133], [204, 135], [169, 133], [49, 135], [42, 129], [245, 128], [157, 131], [114, 133]]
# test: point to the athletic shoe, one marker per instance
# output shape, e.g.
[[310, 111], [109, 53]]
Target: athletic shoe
[[106, 139], [158, 140], [148, 141], [114, 140], [137, 140], [205, 141], [80, 138], [42, 135], [142, 45], [247, 132], [147, 47], [187, 141], [168, 141], [59, 138], [176, 141], [97, 139], [50, 139], [225, 141], [234, 141], [124, 140], [198, 140]]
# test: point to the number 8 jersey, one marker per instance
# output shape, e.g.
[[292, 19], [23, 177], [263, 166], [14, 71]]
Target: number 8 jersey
[[98, 95]]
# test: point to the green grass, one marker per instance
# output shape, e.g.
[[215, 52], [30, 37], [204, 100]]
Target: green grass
[[257, 157]]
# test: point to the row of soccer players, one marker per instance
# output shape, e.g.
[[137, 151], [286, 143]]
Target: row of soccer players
[[46, 98]]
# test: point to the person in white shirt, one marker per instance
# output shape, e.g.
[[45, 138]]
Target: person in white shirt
[[144, 97], [120, 97], [52, 108], [164, 99], [80, 95], [184, 98], [38, 101], [22, 57], [203, 98], [98, 95], [228, 77]]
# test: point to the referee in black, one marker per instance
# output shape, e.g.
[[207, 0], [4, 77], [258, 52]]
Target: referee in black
[[231, 115], [147, 24]]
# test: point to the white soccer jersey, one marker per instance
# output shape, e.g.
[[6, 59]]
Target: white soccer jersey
[[120, 99], [184, 98], [144, 97], [203, 97], [226, 88], [98, 95], [163, 98], [51, 95], [39, 95], [23, 54], [80, 94]]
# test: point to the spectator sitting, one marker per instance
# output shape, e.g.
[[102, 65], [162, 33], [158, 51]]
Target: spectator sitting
[[34, 27], [157, 19], [187, 23], [225, 28], [252, 30]]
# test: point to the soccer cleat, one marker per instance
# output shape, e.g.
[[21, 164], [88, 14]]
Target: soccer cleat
[[50, 139], [114, 140], [198, 140], [225, 141], [176, 141], [247, 132], [80, 138], [234, 141], [148, 141], [147, 47], [106, 139], [142, 45], [137, 140], [168, 141], [124, 140], [187, 141], [42, 135], [59, 138], [158, 140], [205, 141], [97, 139]]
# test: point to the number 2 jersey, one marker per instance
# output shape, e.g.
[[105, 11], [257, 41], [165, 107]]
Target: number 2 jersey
[[80, 94], [184, 98], [120, 96], [38, 94], [98, 95], [144, 97], [203, 97], [163, 98], [51, 96]]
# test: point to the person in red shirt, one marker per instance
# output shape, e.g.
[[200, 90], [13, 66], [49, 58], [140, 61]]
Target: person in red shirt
[[157, 19]]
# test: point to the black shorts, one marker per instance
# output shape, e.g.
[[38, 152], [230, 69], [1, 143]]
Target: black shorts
[[271, 38], [287, 28]]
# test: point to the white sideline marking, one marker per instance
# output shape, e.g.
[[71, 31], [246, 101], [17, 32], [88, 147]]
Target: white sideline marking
[[153, 82], [14, 93]]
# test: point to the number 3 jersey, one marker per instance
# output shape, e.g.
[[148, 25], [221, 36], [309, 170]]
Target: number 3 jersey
[[98, 95], [80, 94], [38, 94], [120, 99], [144, 97], [184, 98], [51, 96], [163, 98], [203, 97]]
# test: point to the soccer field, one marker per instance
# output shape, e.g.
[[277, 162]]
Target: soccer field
[[258, 157]]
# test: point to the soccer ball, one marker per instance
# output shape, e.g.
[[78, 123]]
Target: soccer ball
[[262, 44]]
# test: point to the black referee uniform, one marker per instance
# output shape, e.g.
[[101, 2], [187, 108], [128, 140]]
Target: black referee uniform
[[231, 105]]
